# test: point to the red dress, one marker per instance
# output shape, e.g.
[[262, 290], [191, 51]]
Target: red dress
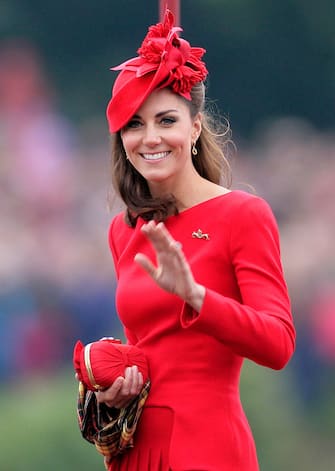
[[193, 419]]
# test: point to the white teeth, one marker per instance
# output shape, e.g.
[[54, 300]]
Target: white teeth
[[159, 155]]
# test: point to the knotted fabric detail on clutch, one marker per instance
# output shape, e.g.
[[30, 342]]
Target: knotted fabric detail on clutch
[[99, 363]]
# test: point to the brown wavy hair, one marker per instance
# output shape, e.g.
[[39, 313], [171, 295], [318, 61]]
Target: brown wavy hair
[[211, 163]]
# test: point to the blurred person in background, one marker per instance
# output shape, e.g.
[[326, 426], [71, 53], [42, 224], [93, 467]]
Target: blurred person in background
[[200, 281], [38, 140], [36, 145], [48, 205]]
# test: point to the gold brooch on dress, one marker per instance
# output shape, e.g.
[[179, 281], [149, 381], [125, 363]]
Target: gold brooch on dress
[[200, 235]]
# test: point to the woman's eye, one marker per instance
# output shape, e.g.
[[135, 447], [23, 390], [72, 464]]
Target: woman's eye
[[134, 123], [168, 120]]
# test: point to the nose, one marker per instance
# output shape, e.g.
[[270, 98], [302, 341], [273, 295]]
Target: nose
[[151, 137]]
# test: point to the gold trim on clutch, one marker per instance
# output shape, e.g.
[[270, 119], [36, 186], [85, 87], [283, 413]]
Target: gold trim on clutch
[[89, 367]]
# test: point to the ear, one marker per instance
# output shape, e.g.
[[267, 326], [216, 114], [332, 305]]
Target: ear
[[196, 126]]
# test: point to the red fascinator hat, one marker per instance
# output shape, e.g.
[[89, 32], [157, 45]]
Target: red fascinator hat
[[164, 60], [99, 363]]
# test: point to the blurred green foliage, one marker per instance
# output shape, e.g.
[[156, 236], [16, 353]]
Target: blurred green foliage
[[266, 59], [39, 429]]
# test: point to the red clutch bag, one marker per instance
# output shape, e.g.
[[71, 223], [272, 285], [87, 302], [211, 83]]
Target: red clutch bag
[[97, 365]]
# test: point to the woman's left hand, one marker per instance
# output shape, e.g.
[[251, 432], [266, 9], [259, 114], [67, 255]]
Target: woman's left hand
[[123, 390], [172, 272]]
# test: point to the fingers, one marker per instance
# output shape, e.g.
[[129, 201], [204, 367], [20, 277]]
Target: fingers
[[123, 390], [162, 241], [159, 236], [110, 395], [170, 262], [131, 387], [146, 264], [172, 271]]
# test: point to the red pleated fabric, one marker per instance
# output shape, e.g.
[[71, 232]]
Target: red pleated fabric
[[152, 442]]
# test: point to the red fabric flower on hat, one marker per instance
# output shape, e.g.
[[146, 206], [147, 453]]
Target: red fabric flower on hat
[[153, 45], [165, 60], [163, 45]]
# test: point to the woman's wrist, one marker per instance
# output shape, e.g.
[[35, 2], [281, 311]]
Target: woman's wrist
[[196, 298]]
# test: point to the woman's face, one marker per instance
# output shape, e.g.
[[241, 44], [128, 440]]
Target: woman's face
[[158, 141]]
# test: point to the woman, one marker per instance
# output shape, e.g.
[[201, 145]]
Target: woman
[[200, 282]]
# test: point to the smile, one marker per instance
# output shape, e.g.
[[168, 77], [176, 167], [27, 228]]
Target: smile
[[157, 156]]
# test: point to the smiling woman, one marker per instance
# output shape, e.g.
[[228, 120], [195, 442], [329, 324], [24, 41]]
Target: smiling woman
[[158, 144], [184, 131], [200, 282]]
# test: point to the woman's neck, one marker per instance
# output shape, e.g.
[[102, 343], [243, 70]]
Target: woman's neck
[[189, 193]]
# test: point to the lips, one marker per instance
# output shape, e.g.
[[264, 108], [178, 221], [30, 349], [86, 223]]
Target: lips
[[156, 156]]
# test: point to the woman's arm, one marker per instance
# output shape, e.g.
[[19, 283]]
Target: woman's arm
[[260, 327]]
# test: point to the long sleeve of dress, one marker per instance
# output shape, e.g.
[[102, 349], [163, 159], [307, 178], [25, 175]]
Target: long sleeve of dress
[[259, 327]]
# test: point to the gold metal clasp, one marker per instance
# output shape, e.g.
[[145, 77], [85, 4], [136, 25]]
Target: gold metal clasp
[[200, 235]]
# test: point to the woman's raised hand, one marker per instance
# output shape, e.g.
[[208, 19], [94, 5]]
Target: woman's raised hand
[[172, 271]]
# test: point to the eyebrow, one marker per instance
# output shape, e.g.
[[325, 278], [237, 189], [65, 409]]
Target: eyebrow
[[158, 115]]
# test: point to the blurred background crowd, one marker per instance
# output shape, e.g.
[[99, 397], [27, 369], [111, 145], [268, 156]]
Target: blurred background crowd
[[56, 272]]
